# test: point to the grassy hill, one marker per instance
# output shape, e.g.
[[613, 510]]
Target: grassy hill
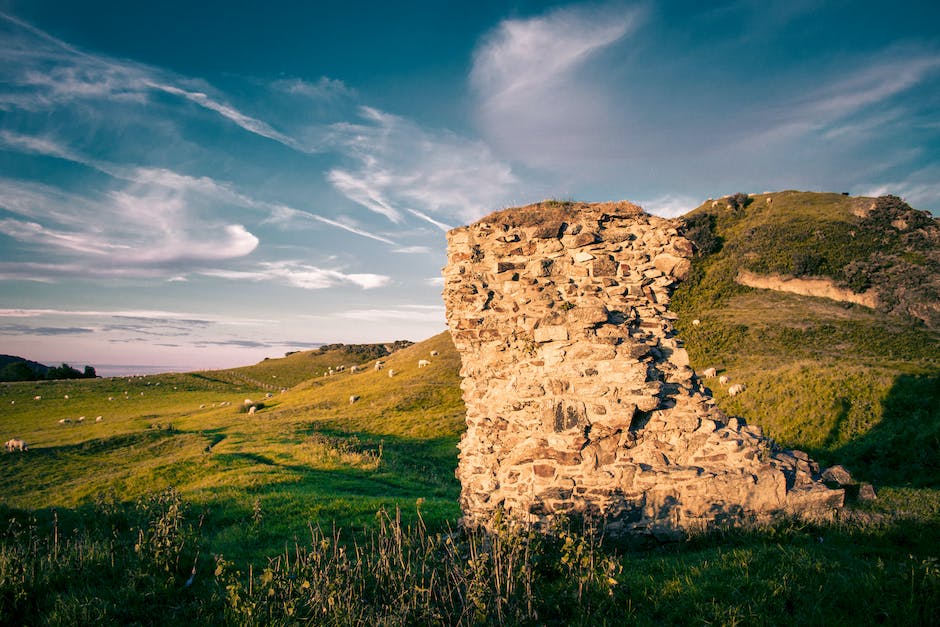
[[308, 455], [850, 384]]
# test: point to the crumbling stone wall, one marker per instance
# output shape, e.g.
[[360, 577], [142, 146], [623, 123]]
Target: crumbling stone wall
[[579, 395]]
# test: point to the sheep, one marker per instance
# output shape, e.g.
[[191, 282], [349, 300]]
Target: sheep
[[203, 406], [66, 397], [422, 363], [736, 389], [710, 372], [65, 421], [696, 322], [80, 419], [353, 369], [252, 409], [16, 444], [723, 379], [248, 401], [37, 398], [391, 373], [110, 398], [434, 353], [353, 399], [99, 418], [268, 395]]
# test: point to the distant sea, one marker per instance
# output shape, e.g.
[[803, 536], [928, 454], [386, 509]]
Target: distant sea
[[122, 370]]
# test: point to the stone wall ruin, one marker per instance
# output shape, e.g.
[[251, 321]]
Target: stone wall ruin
[[580, 398]]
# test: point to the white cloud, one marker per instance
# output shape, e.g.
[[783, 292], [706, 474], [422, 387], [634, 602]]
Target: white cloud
[[142, 314], [847, 108], [433, 175], [411, 250], [365, 187], [535, 103], [250, 124], [155, 219], [410, 313], [285, 214], [302, 275], [670, 205], [920, 189], [324, 89]]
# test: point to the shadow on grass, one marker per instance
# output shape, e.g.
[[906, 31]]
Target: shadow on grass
[[904, 448]]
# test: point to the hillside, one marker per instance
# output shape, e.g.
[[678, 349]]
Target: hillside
[[851, 384], [307, 455], [13, 368]]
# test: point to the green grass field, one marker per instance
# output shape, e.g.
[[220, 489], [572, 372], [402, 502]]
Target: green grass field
[[309, 455]]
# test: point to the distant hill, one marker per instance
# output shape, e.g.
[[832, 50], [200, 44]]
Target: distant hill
[[828, 308], [13, 368]]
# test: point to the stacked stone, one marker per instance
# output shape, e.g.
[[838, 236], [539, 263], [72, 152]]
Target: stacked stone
[[580, 398]]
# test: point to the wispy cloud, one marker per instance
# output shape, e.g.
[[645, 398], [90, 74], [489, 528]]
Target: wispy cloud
[[302, 275], [250, 124], [433, 175], [325, 88], [670, 205], [283, 214], [413, 313], [851, 106], [154, 220], [155, 315], [534, 103], [22, 329]]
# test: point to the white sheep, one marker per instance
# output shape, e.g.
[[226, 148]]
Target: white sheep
[[391, 373], [379, 365], [423, 363], [434, 353], [16, 444], [66, 397], [353, 399], [710, 372], [696, 322], [37, 398], [353, 369], [723, 379], [268, 395], [81, 419], [99, 418], [736, 389], [65, 421], [252, 409]]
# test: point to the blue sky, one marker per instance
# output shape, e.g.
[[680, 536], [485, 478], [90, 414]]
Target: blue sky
[[204, 184]]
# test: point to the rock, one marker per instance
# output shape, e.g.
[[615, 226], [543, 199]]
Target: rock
[[837, 477], [866, 492], [551, 333], [579, 396]]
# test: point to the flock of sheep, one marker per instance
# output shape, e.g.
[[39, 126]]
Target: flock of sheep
[[723, 380]]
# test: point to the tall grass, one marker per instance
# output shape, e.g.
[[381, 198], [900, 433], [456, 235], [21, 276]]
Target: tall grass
[[146, 564]]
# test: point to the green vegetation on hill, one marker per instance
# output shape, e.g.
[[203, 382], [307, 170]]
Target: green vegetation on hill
[[849, 384], [308, 456], [18, 369]]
